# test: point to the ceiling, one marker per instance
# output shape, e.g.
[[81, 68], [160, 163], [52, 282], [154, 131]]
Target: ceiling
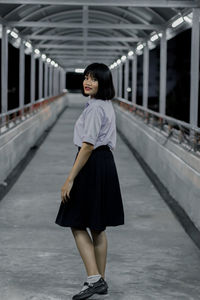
[[76, 33]]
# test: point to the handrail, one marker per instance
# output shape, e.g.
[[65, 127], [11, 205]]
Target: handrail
[[187, 125], [186, 134], [14, 116]]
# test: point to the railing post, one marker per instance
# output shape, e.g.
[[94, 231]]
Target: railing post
[[114, 75], [145, 75], [21, 76], [120, 80], [53, 80], [134, 78], [194, 82], [56, 81], [45, 79], [40, 77], [4, 72], [126, 76], [163, 73], [32, 78], [117, 81], [50, 81]]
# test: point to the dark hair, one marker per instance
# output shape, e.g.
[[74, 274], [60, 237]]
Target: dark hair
[[102, 73]]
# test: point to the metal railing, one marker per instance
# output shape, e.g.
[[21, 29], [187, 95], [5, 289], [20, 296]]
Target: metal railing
[[180, 132], [15, 116]]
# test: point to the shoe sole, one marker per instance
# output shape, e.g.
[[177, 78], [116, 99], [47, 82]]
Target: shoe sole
[[103, 293]]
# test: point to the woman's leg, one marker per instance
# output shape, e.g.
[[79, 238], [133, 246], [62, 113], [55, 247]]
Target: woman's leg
[[100, 249], [86, 250]]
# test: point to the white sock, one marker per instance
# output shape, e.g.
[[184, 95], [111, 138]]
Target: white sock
[[91, 279]]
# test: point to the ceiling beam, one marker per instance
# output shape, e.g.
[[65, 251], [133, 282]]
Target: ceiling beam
[[77, 38], [81, 61], [79, 54], [82, 25], [131, 3], [100, 47]]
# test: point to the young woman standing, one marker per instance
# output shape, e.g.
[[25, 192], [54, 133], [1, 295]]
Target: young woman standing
[[91, 196]]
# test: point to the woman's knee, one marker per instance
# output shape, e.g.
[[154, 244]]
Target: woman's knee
[[76, 230], [98, 235]]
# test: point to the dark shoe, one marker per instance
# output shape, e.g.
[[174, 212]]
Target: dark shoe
[[99, 287], [106, 291]]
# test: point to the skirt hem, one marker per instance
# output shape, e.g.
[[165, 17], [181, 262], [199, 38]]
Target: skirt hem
[[90, 226]]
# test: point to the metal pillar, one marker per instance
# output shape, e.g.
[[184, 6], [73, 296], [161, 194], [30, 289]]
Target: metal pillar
[[120, 80], [126, 77], [45, 80], [134, 79], [117, 82], [58, 84], [63, 79], [145, 75], [4, 72], [32, 77], [60, 81], [55, 81], [163, 73], [21, 75], [194, 82], [114, 75], [40, 77], [50, 81]]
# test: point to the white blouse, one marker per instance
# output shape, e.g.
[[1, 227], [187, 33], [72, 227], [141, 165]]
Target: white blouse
[[96, 124]]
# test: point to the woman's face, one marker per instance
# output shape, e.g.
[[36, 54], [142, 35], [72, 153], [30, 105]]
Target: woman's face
[[90, 85]]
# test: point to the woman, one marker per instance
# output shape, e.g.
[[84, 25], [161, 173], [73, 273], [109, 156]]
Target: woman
[[91, 196]]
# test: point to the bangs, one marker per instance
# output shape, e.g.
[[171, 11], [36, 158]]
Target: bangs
[[92, 73]]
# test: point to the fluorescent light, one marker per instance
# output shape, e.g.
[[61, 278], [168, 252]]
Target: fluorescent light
[[130, 53], [140, 47], [8, 31], [115, 64], [52, 62], [177, 22], [119, 61], [79, 70], [187, 19], [123, 58], [43, 56], [48, 60], [14, 34], [56, 65], [154, 37], [28, 45], [128, 89], [151, 45], [37, 51], [160, 34]]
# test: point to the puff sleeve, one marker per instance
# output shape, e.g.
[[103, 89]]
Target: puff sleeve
[[92, 124]]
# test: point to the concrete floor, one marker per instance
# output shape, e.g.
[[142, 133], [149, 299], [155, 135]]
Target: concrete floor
[[150, 257]]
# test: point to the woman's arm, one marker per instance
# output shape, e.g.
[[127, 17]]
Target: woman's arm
[[83, 156]]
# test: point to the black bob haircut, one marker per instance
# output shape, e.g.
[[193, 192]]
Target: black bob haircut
[[102, 73]]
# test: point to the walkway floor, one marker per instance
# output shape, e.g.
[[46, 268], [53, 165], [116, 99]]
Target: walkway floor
[[150, 257]]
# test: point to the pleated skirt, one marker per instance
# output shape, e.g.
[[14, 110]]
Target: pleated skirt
[[95, 197]]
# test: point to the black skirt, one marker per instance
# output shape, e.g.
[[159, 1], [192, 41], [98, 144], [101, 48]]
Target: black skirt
[[95, 197]]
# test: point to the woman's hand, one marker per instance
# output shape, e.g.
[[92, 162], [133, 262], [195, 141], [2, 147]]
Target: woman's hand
[[66, 188]]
